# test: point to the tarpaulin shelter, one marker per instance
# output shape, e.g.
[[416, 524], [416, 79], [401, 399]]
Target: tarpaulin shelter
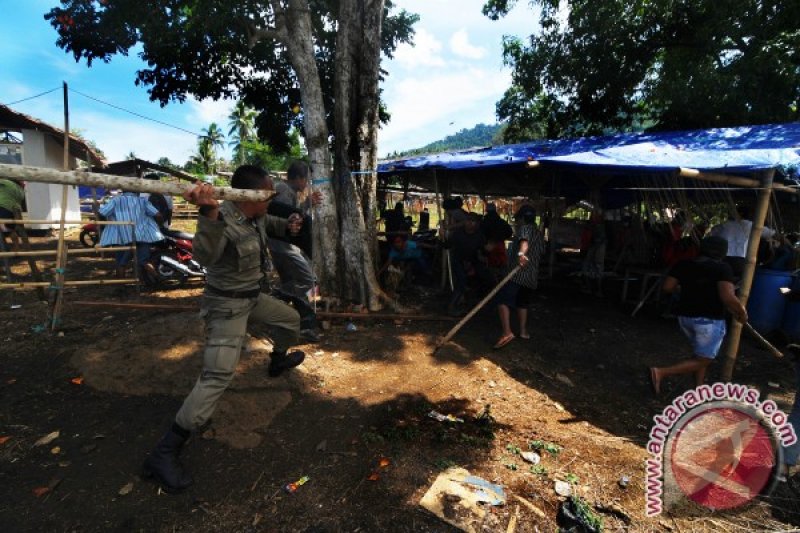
[[613, 163], [764, 158]]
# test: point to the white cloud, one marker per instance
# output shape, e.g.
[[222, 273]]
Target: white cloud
[[428, 108], [426, 51], [204, 112], [460, 45]]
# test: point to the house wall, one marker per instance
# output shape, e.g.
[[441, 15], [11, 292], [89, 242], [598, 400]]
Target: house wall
[[44, 199]]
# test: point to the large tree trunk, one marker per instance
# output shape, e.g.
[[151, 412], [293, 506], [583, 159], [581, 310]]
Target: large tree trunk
[[296, 32], [355, 145]]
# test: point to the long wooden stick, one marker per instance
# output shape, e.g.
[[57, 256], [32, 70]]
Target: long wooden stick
[[77, 177], [477, 308], [768, 345]]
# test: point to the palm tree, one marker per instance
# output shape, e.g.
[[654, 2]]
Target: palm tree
[[242, 128], [205, 158], [214, 139]]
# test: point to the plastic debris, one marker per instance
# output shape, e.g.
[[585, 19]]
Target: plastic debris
[[455, 497], [47, 439], [351, 327], [126, 489], [563, 488], [292, 487], [565, 380], [624, 481], [532, 457], [16, 306], [436, 415], [774, 385]]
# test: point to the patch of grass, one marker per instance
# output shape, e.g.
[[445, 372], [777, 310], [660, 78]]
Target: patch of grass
[[510, 465], [586, 513], [571, 478], [513, 449], [549, 447], [539, 470], [444, 463]]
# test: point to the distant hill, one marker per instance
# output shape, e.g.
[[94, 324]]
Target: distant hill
[[479, 135]]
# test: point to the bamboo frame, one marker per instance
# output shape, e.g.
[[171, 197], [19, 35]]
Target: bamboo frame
[[81, 283], [735, 334], [95, 179], [69, 251]]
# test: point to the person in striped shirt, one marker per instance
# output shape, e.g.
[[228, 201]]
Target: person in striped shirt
[[129, 206]]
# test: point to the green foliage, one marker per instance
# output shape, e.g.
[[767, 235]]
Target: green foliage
[[549, 447], [571, 478], [586, 513], [513, 449], [444, 464], [478, 136], [600, 66], [510, 465], [203, 48], [539, 470]]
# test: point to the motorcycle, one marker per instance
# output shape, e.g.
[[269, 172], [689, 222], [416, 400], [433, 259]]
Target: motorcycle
[[172, 261]]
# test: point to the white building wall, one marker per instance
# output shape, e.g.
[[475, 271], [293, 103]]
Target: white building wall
[[44, 199]]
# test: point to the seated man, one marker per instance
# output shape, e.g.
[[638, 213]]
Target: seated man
[[410, 253], [468, 247]]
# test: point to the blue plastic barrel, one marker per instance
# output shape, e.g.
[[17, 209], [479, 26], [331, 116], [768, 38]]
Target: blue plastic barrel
[[766, 304], [791, 315]]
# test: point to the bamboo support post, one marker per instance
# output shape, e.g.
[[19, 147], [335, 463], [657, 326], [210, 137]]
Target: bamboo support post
[[61, 256], [95, 179], [762, 206], [477, 308]]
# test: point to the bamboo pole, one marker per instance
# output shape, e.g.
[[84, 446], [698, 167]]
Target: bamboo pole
[[762, 206], [81, 283], [26, 221], [732, 180], [94, 179], [70, 251], [477, 308], [61, 256], [768, 345]]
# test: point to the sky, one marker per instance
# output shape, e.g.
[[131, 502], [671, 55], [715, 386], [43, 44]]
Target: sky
[[450, 80]]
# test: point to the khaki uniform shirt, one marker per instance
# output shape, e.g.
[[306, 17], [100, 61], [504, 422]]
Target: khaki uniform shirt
[[234, 249]]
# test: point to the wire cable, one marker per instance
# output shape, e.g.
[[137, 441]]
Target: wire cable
[[31, 97], [135, 113]]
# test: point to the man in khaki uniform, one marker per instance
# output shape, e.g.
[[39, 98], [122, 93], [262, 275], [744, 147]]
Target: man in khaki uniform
[[231, 242]]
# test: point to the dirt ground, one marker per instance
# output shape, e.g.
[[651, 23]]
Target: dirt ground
[[353, 418]]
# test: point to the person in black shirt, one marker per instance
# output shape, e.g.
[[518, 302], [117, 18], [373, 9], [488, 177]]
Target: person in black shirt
[[706, 289]]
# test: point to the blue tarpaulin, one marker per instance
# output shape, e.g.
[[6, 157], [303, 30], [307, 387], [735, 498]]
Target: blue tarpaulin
[[504, 169]]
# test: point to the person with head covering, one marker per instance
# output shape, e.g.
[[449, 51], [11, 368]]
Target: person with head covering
[[706, 289], [526, 250]]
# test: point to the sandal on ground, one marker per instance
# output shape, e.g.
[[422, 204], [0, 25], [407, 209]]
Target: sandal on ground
[[653, 382], [503, 341]]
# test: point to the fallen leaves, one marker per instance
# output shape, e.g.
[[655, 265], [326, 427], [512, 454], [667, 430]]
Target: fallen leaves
[[77, 381], [41, 491], [3, 440]]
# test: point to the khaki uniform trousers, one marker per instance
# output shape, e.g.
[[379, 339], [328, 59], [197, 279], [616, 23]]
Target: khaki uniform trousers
[[226, 328]]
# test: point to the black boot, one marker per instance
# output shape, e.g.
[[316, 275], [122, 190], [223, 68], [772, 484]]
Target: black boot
[[282, 361], [163, 465]]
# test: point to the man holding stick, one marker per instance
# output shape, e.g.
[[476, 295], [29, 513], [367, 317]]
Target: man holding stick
[[231, 242]]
